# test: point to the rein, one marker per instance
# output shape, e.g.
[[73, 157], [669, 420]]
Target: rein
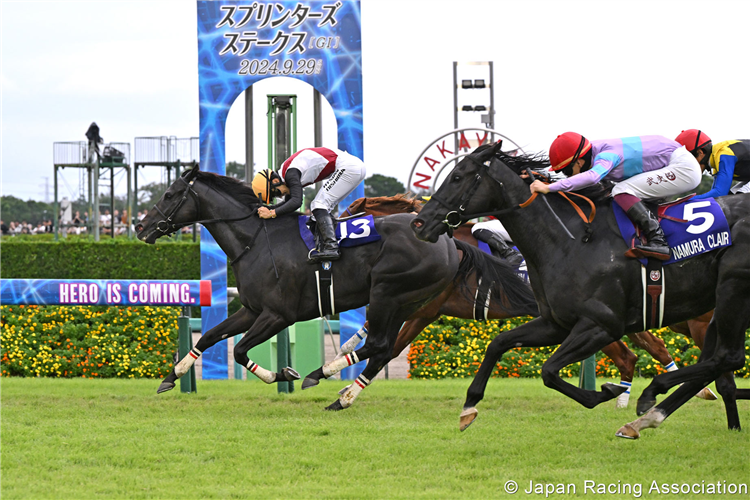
[[455, 218]]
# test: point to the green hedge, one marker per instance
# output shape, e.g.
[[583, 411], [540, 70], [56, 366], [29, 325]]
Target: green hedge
[[107, 259]]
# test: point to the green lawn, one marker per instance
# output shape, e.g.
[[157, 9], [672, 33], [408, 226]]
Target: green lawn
[[118, 439]]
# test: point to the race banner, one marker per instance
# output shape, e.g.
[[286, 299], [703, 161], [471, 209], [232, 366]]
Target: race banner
[[105, 292], [241, 43]]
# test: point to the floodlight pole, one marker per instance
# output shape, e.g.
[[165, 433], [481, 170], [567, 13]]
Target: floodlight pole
[[95, 211]]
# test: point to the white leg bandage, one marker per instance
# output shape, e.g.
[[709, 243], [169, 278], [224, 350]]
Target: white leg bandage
[[624, 398], [671, 367], [185, 363], [266, 376], [337, 365], [350, 395], [353, 342]]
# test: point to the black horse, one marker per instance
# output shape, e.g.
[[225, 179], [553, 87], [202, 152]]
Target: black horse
[[277, 287], [589, 294]]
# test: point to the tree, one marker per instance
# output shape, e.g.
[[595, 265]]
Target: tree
[[31, 211], [382, 185], [148, 195], [236, 170]]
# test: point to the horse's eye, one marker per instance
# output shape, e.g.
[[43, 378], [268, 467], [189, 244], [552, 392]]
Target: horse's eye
[[167, 196], [456, 178]]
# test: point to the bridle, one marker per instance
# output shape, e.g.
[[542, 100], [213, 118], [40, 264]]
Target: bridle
[[455, 218], [166, 226]]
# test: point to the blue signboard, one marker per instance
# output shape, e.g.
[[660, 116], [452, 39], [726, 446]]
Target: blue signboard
[[241, 43]]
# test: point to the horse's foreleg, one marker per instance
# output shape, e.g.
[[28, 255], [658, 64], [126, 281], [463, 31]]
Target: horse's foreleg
[[265, 327], [233, 325], [585, 339], [536, 333], [624, 360], [411, 330]]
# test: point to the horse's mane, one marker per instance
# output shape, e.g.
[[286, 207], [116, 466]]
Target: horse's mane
[[230, 186], [539, 161], [513, 293]]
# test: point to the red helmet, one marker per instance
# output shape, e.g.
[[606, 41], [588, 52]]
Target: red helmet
[[566, 149], [693, 139]]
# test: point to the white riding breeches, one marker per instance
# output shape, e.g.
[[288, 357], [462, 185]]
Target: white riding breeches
[[350, 171], [681, 175], [493, 226]]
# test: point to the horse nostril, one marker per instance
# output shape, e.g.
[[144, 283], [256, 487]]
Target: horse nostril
[[417, 223], [139, 228]]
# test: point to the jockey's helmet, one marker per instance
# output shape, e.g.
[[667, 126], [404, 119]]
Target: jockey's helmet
[[693, 139], [566, 149], [265, 184]]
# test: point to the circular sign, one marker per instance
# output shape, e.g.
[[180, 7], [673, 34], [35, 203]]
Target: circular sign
[[443, 152]]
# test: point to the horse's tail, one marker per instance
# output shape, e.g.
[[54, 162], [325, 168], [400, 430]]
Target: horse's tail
[[512, 291]]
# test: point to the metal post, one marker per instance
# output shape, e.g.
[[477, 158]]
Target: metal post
[[95, 209], [249, 161], [56, 215], [187, 381], [587, 378], [317, 120], [455, 104], [135, 186], [112, 199], [129, 208], [283, 359]]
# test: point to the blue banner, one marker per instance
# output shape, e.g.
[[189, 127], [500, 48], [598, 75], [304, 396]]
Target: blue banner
[[241, 43]]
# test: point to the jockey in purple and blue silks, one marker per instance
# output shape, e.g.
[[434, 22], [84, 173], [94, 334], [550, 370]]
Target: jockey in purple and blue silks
[[643, 168]]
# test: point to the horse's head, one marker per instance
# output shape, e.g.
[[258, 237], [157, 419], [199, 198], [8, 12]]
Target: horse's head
[[179, 204], [468, 190]]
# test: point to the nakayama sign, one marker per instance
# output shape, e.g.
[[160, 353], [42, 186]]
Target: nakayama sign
[[446, 150]]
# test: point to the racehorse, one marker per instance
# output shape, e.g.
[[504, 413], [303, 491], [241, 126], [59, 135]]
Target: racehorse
[[589, 294], [455, 304], [277, 287]]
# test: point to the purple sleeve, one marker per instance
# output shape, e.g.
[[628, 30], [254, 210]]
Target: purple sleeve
[[574, 182]]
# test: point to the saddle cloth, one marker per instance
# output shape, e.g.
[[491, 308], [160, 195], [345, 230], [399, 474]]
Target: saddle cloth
[[692, 227], [350, 232]]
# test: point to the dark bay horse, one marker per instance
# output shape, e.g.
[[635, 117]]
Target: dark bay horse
[[452, 303], [277, 287], [589, 294]]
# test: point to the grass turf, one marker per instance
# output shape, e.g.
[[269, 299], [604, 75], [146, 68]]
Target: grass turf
[[75, 438]]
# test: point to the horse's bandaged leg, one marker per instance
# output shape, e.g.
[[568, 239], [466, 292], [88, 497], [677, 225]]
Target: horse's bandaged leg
[[624, 398], [350, 395], [185, 363], [352, 343], [671, 367], [337, 365], [266, 376]]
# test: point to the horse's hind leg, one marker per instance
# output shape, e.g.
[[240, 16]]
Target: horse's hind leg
[[233, 325], [535, 333], [625, 361]]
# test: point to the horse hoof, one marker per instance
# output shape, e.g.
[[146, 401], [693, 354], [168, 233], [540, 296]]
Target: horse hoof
[[309, 382], [613, 390], [164, 387], [342, 391], [290, 374], [467, 417], [644, 406], [627, 432], [707, 394], [335, 406]]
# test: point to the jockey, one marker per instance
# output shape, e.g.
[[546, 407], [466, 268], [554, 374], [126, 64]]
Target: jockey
[[728, 161], [643, 168], [342, 173], [494, 234]]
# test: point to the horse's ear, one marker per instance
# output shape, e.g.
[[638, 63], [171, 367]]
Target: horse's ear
[[190, 173], [491, 151]]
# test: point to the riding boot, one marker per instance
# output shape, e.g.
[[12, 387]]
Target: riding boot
[[499, 246], [327, 245], [656, 246]]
